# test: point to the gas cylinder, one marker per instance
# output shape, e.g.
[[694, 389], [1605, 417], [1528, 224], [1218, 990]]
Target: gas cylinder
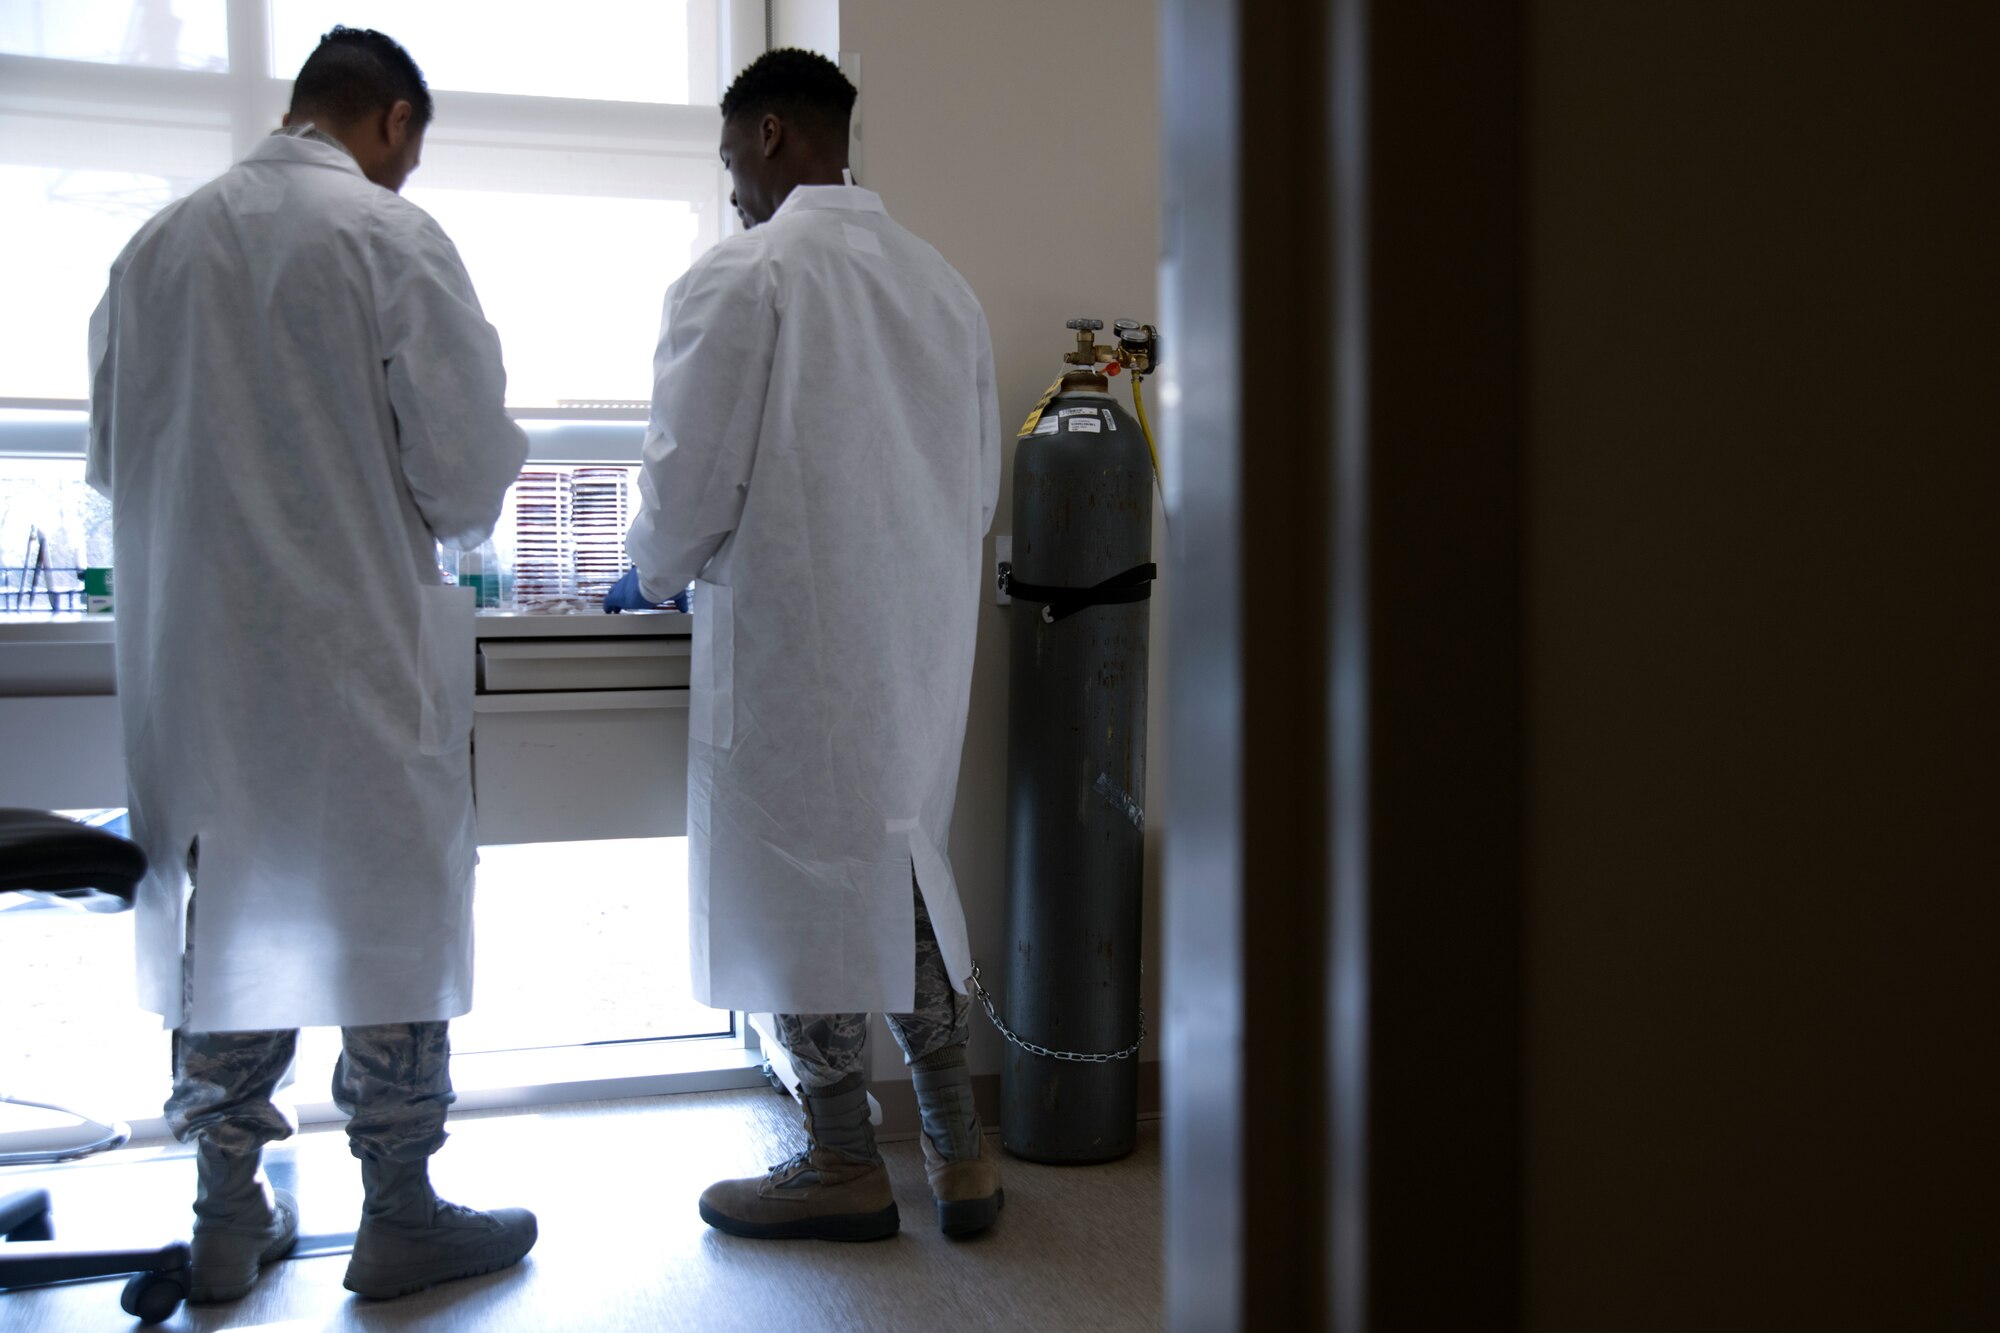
[[1076, 764]]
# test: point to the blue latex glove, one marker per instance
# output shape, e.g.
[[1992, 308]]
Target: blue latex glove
[[625, 596]]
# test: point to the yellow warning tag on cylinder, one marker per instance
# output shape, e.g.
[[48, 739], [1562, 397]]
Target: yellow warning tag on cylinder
[[1035, 417]]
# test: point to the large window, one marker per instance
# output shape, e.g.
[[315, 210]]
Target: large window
[[177, 34], [52, 528], [572, 160]]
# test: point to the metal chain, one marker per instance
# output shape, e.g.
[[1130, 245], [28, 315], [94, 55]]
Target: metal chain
[[1099, 1058]]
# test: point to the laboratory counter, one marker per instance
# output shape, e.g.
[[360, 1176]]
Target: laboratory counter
[[579, 722], [79, 627]]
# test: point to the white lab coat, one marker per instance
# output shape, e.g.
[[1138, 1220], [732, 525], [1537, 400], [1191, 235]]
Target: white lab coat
[[824, 456], [293, 392]]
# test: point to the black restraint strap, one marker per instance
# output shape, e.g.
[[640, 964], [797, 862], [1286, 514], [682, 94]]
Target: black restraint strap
[[1134, 585]]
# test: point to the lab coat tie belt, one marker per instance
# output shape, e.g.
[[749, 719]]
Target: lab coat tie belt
[[1134, 585]]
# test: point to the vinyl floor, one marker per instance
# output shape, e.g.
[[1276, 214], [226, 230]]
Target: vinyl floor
[[614, 1186]]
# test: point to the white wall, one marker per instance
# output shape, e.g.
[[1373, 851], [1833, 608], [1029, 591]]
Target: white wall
[[1020, 142]]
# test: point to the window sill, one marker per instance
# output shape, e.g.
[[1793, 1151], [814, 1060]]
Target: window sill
[[587, 1073]]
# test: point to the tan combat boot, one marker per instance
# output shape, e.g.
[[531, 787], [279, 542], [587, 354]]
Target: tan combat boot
[[967, 1190], [410, 1239], [241, 1224], [964, 1178], [837, 1189]]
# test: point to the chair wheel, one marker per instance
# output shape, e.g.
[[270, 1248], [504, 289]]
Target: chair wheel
[[153, 1297]]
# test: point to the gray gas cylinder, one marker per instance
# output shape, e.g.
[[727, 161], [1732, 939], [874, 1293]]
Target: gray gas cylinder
[[1076, 782]]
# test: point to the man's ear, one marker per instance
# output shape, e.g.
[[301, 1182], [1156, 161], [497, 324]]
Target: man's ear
[[770, 134], [396, 123]]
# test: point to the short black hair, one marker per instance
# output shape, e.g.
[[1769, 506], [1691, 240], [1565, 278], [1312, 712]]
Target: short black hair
[[792, 84], [356, 71]]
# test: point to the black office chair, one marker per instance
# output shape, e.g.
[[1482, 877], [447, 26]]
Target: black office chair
[[45, 853]]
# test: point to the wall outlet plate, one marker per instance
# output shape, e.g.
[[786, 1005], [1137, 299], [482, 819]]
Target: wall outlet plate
[[1003, 553]]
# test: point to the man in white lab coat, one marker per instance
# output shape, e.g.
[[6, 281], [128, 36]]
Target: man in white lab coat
[[824, 459], [294, 396]]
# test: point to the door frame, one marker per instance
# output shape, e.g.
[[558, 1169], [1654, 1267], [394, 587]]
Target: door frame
[[1343, 282]]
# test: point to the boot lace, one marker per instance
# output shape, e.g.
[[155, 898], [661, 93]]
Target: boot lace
[[447, 1213], [791, 1166]]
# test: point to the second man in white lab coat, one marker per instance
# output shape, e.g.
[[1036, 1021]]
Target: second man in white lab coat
[[823, 460]]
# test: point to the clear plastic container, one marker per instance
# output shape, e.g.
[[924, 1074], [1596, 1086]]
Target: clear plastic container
[[489, 575]]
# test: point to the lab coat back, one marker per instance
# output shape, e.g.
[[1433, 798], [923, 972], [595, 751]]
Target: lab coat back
[[824, 457], [294, 395]]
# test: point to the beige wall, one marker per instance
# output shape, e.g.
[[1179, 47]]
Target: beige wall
[[1764, 596], [1000, 134]]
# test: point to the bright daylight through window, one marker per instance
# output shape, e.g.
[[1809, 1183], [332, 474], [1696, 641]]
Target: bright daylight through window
[[574, 166]]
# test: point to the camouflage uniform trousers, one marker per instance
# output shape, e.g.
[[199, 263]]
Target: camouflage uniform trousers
[[393, 1080], [825, 1048]]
